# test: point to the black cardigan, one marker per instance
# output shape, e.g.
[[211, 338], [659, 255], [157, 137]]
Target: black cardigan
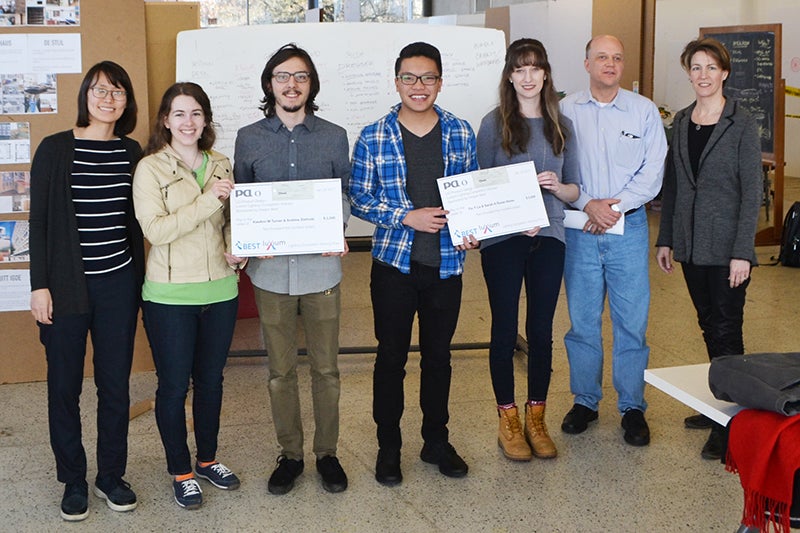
[[56, 259]]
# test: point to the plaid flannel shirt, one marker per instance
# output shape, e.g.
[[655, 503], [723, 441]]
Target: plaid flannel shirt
[[378, 187]]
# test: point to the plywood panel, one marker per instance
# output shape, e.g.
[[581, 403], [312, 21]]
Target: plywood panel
[[163, 21], [110, 29]]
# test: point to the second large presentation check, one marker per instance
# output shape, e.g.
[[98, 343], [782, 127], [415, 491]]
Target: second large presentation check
[[492, 202], [287, 218]]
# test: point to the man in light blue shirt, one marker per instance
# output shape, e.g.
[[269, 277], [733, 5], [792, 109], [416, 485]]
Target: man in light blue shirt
[[621, 149]]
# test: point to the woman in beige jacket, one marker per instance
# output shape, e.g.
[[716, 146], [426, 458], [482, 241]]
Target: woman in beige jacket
[[180, 191]]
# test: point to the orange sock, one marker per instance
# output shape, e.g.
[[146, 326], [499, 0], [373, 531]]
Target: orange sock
[[184, 477], [202, 464]]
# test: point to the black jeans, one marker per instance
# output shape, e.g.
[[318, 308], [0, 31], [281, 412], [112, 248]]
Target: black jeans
[[189, 341], [539, 261], [111, 320], [720, 309], [396, 298]]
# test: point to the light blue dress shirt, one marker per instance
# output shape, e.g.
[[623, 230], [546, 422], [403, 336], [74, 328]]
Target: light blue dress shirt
[[621, 147]]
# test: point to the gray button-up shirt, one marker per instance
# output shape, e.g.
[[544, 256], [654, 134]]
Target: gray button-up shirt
[[316, 149]]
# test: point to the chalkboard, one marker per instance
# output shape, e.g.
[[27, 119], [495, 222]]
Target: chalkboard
[[755, 72], [356, 68]]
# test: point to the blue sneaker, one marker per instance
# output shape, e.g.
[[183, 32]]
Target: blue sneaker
[[188, 493], [116, 492], [218, 475], [75, 503]]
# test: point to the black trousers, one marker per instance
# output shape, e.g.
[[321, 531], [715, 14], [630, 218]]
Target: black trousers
[[720, 309], [111, 320], [396, 298]]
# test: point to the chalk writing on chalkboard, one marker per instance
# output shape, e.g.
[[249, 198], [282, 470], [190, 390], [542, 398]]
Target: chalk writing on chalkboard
[[752, 78]]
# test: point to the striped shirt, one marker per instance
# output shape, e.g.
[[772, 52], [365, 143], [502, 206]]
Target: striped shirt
[[378, 191], [101, 194]]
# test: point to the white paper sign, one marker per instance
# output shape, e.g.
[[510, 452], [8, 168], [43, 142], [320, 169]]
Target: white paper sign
[[54, 52], [287, 218], [15, 290], [493, 201]]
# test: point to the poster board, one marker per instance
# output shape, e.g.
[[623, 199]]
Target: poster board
[[756, 82], [109, 29]]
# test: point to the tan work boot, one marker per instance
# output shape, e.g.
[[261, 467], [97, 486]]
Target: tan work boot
[[510, 437], [536, 432]]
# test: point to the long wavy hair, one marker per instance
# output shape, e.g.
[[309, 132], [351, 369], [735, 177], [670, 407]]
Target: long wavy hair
[[514, 128], [161, 136]]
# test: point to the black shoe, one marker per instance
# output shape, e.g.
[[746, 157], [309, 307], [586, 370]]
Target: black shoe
[[637, 433], [75, 503], [333, 477], [387, 468], [577, 420], [444, 455], [697, 422], [715, 446], [116, 492], [282, 479]]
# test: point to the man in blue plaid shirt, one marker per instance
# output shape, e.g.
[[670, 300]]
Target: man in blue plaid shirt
[[416, 269]]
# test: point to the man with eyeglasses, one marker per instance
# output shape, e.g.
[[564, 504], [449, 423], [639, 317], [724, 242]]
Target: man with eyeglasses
[[292, 143], [415, 269]]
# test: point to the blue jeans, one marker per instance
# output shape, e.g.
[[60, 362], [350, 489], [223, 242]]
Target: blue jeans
[[189, 341], [111, 320], [539, 261], [616, 265], [396, 298]]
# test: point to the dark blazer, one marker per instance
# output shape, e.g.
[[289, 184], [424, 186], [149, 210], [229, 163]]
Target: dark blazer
[[56, 260], [710, 219]]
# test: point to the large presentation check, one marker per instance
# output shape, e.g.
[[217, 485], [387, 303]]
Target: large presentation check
[[493, 201], [287, 218]]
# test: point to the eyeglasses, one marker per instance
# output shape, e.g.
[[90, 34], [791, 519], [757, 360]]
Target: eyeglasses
[[300, 77], [411, 79], [116, 94]]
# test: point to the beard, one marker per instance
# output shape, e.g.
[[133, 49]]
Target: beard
[[291, 108]]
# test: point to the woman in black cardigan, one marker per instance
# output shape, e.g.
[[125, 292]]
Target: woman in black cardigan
[[87, 264], [712, 194]]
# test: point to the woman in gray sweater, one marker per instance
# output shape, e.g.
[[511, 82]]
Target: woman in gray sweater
[[527, 126], [712, 193]]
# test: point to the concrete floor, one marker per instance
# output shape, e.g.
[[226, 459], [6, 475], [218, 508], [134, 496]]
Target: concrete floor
[[597, 483]]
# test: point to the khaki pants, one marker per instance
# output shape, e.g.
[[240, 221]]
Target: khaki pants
[[320, 315]]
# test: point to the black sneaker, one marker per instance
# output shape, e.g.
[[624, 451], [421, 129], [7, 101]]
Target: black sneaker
[[333, 477], [218, 475], [444, 455], [188, 493], [75, 503], [637, 432], [387, 467], [282, 479], [578, 418], [116, 492]]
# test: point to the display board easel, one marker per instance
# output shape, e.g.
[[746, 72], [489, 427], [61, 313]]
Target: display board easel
[[756, 81]]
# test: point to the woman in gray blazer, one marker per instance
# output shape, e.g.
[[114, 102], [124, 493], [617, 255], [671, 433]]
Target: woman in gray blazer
[[712, 194]]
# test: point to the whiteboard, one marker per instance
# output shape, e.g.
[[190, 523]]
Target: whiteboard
[[355, 61]]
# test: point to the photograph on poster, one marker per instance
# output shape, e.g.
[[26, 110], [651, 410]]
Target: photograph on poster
[[15, 142], [11, 12], [15, 191], [15, 290], [40, 12], [28, 93], [14, 241]]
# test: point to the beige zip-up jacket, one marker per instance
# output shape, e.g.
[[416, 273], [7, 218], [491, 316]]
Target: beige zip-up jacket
[[188, 228]]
